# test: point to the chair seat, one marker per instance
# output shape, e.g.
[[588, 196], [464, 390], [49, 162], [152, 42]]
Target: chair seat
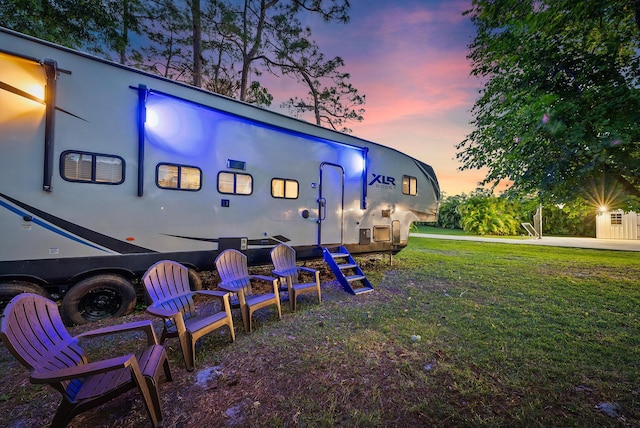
[[304, 286], [205, 322], [256, 299], [151, 362]]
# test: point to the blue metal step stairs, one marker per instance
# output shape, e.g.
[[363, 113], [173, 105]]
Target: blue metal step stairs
[[346, 270]]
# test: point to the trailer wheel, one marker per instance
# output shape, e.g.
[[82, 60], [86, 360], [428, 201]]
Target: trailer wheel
[[9, 290], [98, 297], [195, 281]]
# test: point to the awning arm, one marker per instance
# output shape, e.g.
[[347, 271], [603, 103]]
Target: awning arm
[[51, 74]]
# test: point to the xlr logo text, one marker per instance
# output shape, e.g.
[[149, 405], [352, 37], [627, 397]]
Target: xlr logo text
[[385, 181]]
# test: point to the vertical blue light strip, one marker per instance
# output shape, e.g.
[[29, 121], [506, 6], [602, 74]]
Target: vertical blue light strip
[[142, 98], [365, 153]]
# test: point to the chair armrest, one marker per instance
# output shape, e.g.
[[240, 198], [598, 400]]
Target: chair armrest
[[223, 296], [161, 312], [287, 272], [262, 278], [145, 325], [83, 370], [274, 281], [213, 293], [308, 270], [228, 287]]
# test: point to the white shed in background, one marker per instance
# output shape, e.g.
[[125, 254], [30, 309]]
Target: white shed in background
[[618, 225]]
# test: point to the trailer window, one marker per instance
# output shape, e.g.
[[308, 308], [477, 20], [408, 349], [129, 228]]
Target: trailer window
[[283, 188], [235, 183], [409, 185], [178, 177], [91, 168]]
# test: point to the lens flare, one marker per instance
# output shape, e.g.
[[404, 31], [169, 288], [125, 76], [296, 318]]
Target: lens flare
[[153, 120], [176, 126], [605, 195]]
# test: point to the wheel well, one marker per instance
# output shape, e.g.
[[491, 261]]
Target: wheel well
[[190, 266], [114, 271], [24, 278]]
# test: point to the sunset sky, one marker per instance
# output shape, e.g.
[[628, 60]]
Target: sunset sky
[[410, 60]]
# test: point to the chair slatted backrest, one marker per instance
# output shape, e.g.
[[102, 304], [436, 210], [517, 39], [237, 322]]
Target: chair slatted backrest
[[284, 261], [232, 268], [34, 333], [167, 284]]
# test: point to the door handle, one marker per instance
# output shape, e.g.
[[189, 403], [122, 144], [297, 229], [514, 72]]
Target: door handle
[[322, 202]]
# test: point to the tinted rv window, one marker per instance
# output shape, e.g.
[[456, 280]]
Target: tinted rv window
[[235, 183], [178, 177], [91, 168], [409, 185], [283, 188]]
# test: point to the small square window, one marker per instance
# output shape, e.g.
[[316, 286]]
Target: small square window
[[244, 184], [178, 177], [285, 189], [409, 185], [235, 183], [616, 219], [226, 182]]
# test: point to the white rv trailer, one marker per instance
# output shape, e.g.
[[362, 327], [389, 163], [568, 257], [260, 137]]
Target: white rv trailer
[[106, 169]]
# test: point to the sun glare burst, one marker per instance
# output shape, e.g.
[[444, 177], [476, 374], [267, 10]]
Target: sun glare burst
[[605, 195]]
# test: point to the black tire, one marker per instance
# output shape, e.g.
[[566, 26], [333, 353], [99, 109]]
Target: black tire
[[9, 290], [96, 298], [195, 281]]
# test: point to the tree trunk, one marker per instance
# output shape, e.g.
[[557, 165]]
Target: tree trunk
[[197, 43], [125, 32]]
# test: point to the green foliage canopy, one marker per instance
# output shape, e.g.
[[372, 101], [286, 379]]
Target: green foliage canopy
[[559, 112], [483, 213], [488, 215], [72, 23]]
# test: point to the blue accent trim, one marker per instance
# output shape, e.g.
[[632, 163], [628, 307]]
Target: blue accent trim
[[365, 159], [246, 119], [142, 118], [40, 223]]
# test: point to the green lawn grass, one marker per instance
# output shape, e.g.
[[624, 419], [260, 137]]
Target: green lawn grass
[[439, 230], [456, 333], [459, 232], [528, 335], [469, 334]]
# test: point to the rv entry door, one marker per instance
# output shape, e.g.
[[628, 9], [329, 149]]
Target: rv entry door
[[330, 204]]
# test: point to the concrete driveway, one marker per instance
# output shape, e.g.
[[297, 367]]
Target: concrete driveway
[[593, 243]]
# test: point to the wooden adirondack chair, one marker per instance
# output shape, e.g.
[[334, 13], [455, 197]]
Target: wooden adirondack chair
[[34, 333], [167, 285], [232, 267], [284, 262]]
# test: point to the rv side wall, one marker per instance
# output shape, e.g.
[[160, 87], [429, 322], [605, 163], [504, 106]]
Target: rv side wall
[[194, 173]]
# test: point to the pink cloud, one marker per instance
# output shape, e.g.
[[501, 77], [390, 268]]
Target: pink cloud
[[410, 60]]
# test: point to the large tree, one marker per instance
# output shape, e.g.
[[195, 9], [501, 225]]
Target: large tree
[[225, 46], [258, 17], [95, 25], [560, 108], [331, 99]]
